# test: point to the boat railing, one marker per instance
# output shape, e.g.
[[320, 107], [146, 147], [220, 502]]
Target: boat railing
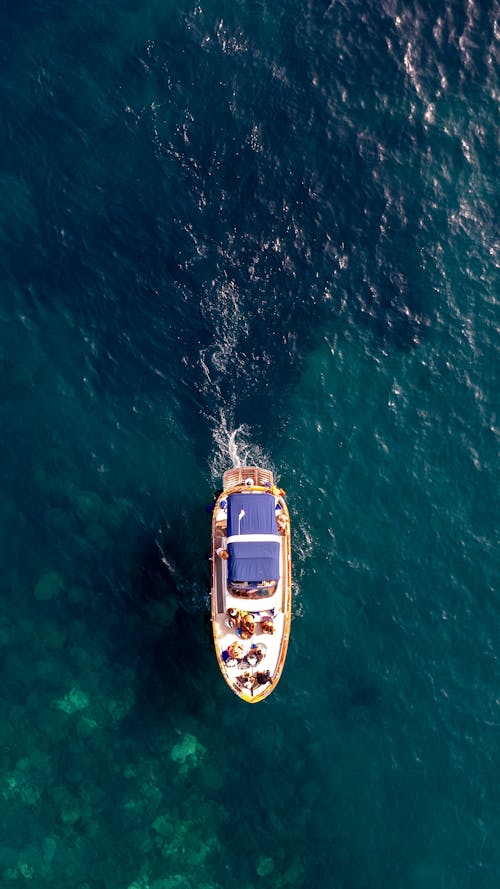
[[240, 474]]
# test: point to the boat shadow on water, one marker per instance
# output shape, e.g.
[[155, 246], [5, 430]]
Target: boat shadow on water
[[169, 601]]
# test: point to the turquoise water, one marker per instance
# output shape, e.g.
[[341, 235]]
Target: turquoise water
[[237, 232]]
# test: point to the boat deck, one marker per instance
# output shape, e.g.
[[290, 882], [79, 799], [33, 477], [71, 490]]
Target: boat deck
[[272, 607], [270, 643], [270, 646]]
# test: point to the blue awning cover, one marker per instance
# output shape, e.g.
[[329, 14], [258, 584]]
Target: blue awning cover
[[254, 561]]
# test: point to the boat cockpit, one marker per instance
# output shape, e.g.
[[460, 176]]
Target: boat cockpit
[[250, 590]]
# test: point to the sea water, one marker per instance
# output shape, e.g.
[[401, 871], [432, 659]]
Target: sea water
[[242, 232]]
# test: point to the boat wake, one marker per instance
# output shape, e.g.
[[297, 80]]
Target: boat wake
[[224, 383], [233, 446]]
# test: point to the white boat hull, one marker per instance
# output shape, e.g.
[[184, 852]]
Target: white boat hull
[[255, 672]]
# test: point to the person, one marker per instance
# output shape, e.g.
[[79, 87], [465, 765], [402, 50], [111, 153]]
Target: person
[[247, 681], [235, 650], [232, 619], [247, 625], [255, 655], [222, 553], [262, 678], [267, 626], [282, 522]]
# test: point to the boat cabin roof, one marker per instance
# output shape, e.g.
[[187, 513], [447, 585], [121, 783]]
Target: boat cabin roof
[[253, 542]]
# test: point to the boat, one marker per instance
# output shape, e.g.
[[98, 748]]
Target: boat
[[251, 593]]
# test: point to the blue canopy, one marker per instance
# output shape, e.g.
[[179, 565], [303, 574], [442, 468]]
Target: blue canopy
[[252, 560]]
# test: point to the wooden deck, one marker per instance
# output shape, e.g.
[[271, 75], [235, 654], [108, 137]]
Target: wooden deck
[[241, 474]]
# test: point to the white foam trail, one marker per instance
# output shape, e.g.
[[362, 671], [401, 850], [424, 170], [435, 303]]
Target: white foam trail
[[234, 447], [222, 364]]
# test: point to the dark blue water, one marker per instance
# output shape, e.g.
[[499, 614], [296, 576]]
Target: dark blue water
[[237, 232]]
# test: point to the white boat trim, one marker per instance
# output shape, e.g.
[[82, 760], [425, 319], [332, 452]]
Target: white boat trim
[[254, 538]]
